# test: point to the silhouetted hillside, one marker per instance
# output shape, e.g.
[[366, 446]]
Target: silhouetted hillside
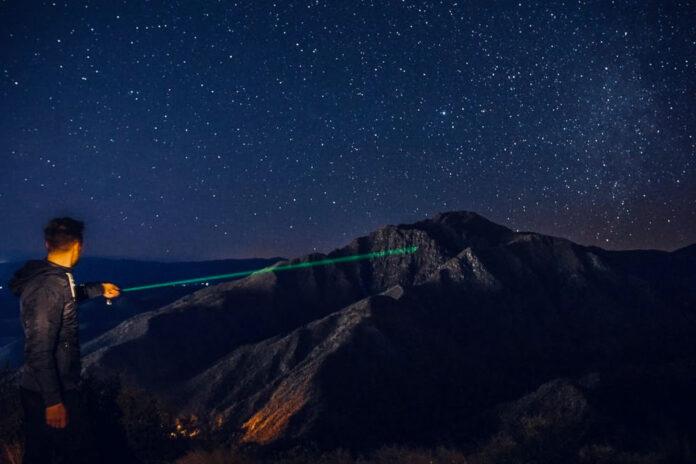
[[426, 347]]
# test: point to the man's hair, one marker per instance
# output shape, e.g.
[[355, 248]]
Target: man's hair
[[61, 233]]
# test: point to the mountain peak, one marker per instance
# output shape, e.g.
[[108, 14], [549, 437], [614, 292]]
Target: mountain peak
[[456, 230], [468, 220]]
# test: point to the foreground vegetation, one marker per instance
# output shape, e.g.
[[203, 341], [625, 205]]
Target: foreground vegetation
[[131, 426]]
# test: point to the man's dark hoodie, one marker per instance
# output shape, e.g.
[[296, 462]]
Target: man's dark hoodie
[[48, 310]]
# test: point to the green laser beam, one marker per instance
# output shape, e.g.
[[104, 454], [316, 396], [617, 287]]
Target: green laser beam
[[320, 262]]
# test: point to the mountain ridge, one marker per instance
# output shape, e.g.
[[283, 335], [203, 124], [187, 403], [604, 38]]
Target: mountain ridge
[[353, 354]]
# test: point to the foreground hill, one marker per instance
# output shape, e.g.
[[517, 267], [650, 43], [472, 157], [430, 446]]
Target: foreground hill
[[480, 329]]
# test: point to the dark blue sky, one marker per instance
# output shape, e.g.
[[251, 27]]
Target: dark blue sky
[[200, 130]]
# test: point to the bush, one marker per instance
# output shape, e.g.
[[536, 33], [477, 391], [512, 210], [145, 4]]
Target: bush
[[132, 425], [402, 455], [309, 455], [11, 417], [128, 425], [218, 456]]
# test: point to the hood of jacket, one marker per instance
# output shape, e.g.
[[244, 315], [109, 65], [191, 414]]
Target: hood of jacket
[[32, 269]]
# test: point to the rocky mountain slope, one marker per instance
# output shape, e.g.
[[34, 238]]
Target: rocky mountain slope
[[422, 347]]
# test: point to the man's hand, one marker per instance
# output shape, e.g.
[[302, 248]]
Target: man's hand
[[111, 290], [57, 416]]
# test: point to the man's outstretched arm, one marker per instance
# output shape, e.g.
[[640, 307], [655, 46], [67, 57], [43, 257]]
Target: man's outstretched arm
[[95, 289]]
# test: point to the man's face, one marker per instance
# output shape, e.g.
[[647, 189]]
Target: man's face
[[77, 252]]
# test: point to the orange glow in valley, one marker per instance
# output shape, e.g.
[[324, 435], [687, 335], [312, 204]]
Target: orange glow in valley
[[270, 421], [186, 427]]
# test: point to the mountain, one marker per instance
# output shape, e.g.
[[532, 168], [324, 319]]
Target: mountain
[[95, 317], [426, 347]]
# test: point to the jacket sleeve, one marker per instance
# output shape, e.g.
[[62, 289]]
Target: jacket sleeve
[[88, 290], [43, 311]]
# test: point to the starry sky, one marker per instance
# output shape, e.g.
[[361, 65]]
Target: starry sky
[[192, 130]]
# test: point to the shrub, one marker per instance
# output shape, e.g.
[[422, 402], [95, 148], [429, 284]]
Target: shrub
[[11, 417]]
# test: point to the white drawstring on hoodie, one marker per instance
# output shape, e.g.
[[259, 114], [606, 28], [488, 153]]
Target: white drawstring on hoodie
[[72, 285]]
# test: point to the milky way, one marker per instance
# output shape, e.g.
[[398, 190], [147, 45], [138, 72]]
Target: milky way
[[201, 130]]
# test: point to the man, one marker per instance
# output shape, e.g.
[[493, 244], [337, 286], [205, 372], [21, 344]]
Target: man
[[55, 419]]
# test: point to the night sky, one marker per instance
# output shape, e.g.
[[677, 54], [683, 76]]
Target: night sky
[[192, 130]]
